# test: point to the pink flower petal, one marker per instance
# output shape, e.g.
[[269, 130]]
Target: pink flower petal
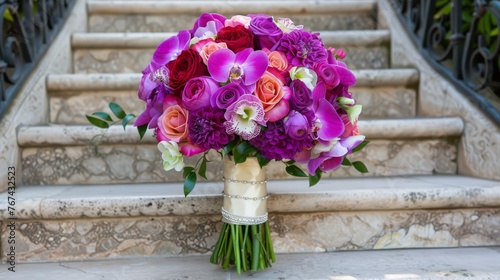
[[278, 112], [331, 164], [189, 149], [242, 56], [331, 123], [352, 142], [314, 164], [220, 64], [254, 67], [347, 78]]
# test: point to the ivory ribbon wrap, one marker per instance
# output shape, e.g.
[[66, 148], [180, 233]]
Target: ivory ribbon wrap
[[245, 192]]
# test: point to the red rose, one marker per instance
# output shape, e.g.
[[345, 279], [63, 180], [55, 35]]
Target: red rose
[[188, 65], [236, 38]]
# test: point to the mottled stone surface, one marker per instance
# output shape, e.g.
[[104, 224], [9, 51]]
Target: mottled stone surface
[[31, 103], [428, 264], [286, 196], [142, 163], [168, 23], [307, 232], [378, 102], [73, 106], [135, 60], [479, 151]]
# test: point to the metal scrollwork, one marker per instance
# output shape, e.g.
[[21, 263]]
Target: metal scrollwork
[[453, 44], [27, 28], [480, 63]]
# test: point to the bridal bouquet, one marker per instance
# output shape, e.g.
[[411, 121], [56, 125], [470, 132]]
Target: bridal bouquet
[[256, 89]]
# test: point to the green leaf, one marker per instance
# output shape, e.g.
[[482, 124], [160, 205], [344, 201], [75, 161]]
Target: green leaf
[[263, 161], [314, 179], [142, 130], [346, 162], [360, 166], [127, 119], [294, 170], [289, 162], [186, 170], [189, 183], [102, 115], [117, 110], [97, 122], [360, 146], [242, 151], [230, 146], [203, 168]]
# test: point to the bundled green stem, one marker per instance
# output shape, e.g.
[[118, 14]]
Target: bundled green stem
[[247, 247]]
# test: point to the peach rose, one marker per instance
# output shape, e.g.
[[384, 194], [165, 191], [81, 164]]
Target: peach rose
[[210, 48], [273, 96], [172, 124], [238, 20], [278, 60]]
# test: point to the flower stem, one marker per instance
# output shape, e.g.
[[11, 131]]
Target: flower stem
[[236, 237], [255, 247]]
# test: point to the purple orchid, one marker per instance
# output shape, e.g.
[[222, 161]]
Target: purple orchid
[[246, 66], [328, 125], [333, 157], [169, 49]]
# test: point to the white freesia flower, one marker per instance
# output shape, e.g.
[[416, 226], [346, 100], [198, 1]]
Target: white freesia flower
[[306, 75], [171, 155]]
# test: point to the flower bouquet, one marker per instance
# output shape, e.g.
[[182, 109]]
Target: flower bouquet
[[255, 89]]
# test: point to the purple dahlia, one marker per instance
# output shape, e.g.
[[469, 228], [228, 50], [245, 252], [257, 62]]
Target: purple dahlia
[[207, 130]]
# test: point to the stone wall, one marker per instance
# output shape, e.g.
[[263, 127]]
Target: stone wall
[[31, 103], [479, 147]]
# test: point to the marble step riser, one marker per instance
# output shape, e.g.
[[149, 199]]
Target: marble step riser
[[121, 60], [106, 238], [134, 163], [174, 23], [378, 102]]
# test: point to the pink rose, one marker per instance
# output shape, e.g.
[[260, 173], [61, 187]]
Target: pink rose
[[238, 20], [209, 48], [273, 96], [278, 60], [172, 124]]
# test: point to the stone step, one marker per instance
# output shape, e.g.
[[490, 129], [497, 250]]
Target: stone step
[[388, 93], [428, 264], [131, 52], [59, 154], [57, 223], [172, 16]]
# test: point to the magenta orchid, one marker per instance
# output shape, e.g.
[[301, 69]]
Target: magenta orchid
[[246, 67]]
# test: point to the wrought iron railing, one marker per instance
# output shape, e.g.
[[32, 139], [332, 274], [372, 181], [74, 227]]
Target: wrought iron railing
[[459, 38], [27, 29]]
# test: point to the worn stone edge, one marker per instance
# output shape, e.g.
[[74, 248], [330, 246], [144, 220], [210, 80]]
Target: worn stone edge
[[389, 193]]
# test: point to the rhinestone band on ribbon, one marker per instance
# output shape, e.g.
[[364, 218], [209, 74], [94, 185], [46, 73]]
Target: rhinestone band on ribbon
[[245, 197], [244, 181], [239, 220]]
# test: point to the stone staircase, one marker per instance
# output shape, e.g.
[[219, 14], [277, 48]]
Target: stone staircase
[[75, 205]]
